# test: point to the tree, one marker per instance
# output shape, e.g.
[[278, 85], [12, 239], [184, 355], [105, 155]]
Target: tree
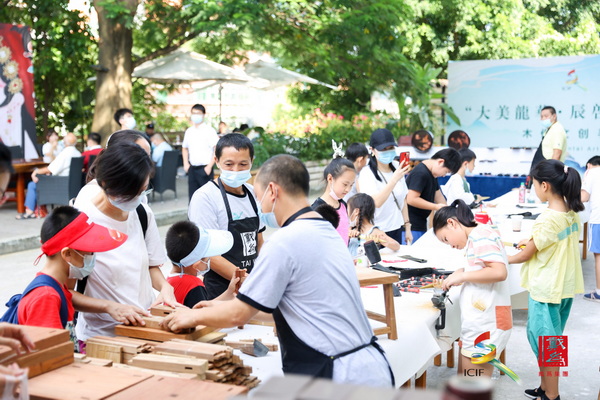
[[63, 50]]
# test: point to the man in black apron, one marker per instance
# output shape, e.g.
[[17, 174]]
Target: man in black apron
[[229, 204], [306, 278]]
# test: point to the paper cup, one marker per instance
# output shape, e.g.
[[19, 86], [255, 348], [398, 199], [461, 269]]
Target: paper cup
[[516, 222]]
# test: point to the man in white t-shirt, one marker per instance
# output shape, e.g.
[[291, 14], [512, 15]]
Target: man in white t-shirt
[[198, 150], [59, 167], [305, 276]]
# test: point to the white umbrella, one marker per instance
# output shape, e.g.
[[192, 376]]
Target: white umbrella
[[279, 76]]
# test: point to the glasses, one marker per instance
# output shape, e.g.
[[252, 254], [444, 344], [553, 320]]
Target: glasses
[[148, 191]]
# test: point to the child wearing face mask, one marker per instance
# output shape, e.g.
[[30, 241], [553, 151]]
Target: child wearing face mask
[[69, 242], [361, 209], [189, 248], [457, 186], [339, 175]]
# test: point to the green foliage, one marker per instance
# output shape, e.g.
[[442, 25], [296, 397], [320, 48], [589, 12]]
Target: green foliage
[[63, 51]]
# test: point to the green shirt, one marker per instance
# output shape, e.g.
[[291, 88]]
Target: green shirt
[[554, 272]]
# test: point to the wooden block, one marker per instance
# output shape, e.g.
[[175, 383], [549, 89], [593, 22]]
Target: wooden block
[[113, 353], [212, 337], [82, 382], [160, 335], [243, 344], [170, 363], [128, 345], [46, 360], [43, 338], [205, 351], [182, 375], [154, 322], [161, 311], [101, 362], [167, 388]]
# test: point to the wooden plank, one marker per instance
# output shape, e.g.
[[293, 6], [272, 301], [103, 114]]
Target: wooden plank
[[261, 323], [154, 322], [212, 337], [167, 388], [113, 353], [170, 363], [369, 276], [161, 311], [205, 351], [128, 345], [244, 344], [83, 382], [46, 360], [181, 375], [43, 338], [160, 335]]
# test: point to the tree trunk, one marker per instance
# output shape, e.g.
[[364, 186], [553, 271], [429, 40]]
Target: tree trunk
[[113, 87]]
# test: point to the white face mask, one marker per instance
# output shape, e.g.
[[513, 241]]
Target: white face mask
[[197, 118], [126, 205], [203, 272], [130, 123], [75, 272]]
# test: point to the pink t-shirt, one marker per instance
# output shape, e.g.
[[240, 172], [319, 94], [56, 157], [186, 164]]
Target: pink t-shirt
[[344, 225]]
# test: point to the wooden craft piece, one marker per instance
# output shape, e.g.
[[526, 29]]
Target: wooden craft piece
[[161, 310], [167, 388], [43, 338], [83, 382], [46, 360], [171, 374], [160, 335], [170, 363], [110, 352], [244, 343], [212, 337], [154, 322], [204, 351]]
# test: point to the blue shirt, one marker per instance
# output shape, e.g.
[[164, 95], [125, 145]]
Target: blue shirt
[[159, 151]]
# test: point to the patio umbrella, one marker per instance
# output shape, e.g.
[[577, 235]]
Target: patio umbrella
[[279, 76], [187, 66]]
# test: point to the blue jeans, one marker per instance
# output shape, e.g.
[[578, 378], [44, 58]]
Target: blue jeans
[[31, 196]]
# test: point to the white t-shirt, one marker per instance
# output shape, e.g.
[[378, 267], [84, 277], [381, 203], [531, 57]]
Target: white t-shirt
[[62, 163], [591, 184], [207, 208], [200, 142], [307, 272], [121, 275], [388, 217], [455, 189], [46, 149]]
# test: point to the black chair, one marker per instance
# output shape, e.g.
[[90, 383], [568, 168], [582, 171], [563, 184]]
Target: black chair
[[58, 190], [85, 173], [16, 152], [164, 178]]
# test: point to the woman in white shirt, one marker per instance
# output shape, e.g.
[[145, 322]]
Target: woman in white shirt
[[383, 179]]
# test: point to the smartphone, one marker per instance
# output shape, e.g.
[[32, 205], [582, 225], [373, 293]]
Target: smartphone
[[404, 157]]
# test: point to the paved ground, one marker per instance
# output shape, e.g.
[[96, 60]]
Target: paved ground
[[583, 382]]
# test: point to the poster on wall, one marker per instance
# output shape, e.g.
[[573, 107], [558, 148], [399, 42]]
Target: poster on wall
[[499, 101], [17, 112]]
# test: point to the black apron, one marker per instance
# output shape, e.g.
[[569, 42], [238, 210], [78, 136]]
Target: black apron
[[299, 358], [539, 154], [245, 242]]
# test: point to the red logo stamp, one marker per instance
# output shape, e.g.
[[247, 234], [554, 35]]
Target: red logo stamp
[[553, 351]]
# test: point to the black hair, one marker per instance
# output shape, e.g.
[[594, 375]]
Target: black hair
[[550, 108], [119, 114], [50, 133], [329, 213], [466, 155], [182, 237], [594, 161], [59, 218], [366, 208], [5, 159], [243, 127], [452, 159], [122, 136], [199, 107], [337, 167], [564, 181], [356, 150], [95, 137], [235, 140], [122, 170], [288, 172], [458, 210]]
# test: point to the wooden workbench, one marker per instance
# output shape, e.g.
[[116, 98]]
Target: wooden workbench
[[370, 277]]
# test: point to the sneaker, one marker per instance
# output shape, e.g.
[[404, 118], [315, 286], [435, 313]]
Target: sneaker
[[593, 296], [534, 393]]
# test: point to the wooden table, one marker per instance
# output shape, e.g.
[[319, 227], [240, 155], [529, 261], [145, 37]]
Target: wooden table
[[369, 277], [24, 168]]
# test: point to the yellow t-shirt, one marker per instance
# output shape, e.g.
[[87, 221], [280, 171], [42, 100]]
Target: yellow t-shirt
[[554, 272], [555, 138]]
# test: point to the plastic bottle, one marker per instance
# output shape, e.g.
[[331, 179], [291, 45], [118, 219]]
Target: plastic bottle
[[522, 193]]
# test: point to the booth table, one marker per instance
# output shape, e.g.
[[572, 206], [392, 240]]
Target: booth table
[[489, 185], [24, 168]]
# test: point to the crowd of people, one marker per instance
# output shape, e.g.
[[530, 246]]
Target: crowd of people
[[103, 255]]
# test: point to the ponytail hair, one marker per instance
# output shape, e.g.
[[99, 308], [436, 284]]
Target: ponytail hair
[[459, 211], [373, 167], [564, 181], [365, 205]]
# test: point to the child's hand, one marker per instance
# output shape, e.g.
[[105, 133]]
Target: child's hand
[[353, 233], [127, 314], [455, 279], [521, 245], [230, 292]]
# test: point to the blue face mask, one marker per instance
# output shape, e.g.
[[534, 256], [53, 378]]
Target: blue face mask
[[269, 218], [546, 123], [235, 179], [197, 118], [89, 260], [386, 157]]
